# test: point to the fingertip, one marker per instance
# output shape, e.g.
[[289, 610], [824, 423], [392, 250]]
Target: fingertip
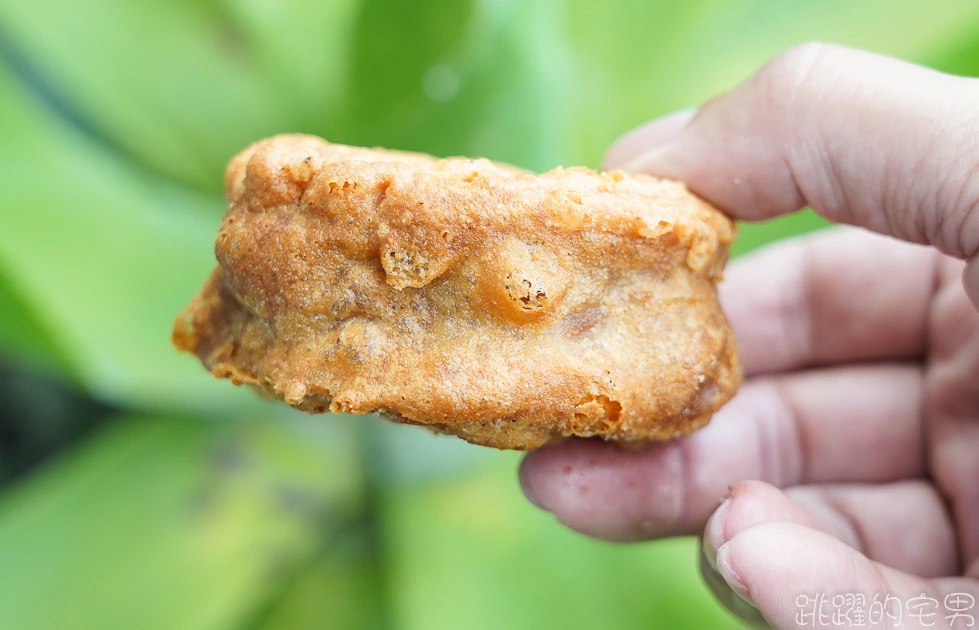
[[730, 573], [553, 477], [630, 148], [762, 565], [731, 590], [604, 491], [749, 503], [715, 532], [772, 565], [526, 478]]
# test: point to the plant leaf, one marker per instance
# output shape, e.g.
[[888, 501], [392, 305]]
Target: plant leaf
[[173, 523], [638, 59], [22, 336], [471, 552], [181, 87], [463, 78], [339, 589], [104, 256]]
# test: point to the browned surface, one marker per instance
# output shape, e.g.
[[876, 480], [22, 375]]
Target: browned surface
[[508, 308]]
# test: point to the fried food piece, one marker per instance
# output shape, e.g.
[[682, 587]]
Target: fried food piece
[[507, 308]]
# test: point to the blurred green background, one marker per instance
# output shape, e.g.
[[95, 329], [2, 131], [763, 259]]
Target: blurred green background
[[138, 492]]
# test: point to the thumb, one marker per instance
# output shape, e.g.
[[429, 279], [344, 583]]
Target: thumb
[[863, 139], [797, 576]]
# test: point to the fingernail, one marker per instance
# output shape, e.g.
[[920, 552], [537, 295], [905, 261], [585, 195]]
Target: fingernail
[[677, 119], [970, 280], [730, 575], [657, 162], [631, 147], [528, 487], [714, 536], [731, 593]]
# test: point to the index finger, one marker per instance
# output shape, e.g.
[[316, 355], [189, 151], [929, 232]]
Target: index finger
[[863, 139]]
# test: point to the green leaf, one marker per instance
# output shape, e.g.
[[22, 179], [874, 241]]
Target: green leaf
[[445, 76], [104, 256], [339, 589], [116, 120], [537, 83], [173, 523], [472, 78], [22, 335], [472, 553], [107, 255], [637, 59], [182, 86]]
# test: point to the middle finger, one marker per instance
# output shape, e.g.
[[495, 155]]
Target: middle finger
[[847, 424]]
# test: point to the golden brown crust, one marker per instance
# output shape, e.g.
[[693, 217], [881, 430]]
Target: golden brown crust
[[508, 308]]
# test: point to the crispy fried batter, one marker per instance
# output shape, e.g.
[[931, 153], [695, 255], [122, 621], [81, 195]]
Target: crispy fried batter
[[507, 308]]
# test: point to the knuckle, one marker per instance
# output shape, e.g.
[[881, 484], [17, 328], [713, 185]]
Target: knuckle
[[949, 214], [792, 92], [960, 229], [794, 72]]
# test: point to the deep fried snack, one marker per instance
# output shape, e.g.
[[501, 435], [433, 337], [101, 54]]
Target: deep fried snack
[[507, 308]]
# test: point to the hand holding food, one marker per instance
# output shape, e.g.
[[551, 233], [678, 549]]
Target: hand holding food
[[848, 463]]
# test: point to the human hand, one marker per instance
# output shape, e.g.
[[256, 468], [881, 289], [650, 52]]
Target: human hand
[[861, 352]]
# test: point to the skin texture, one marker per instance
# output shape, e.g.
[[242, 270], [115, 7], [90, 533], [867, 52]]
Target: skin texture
[[507, 308], [857, 431]]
